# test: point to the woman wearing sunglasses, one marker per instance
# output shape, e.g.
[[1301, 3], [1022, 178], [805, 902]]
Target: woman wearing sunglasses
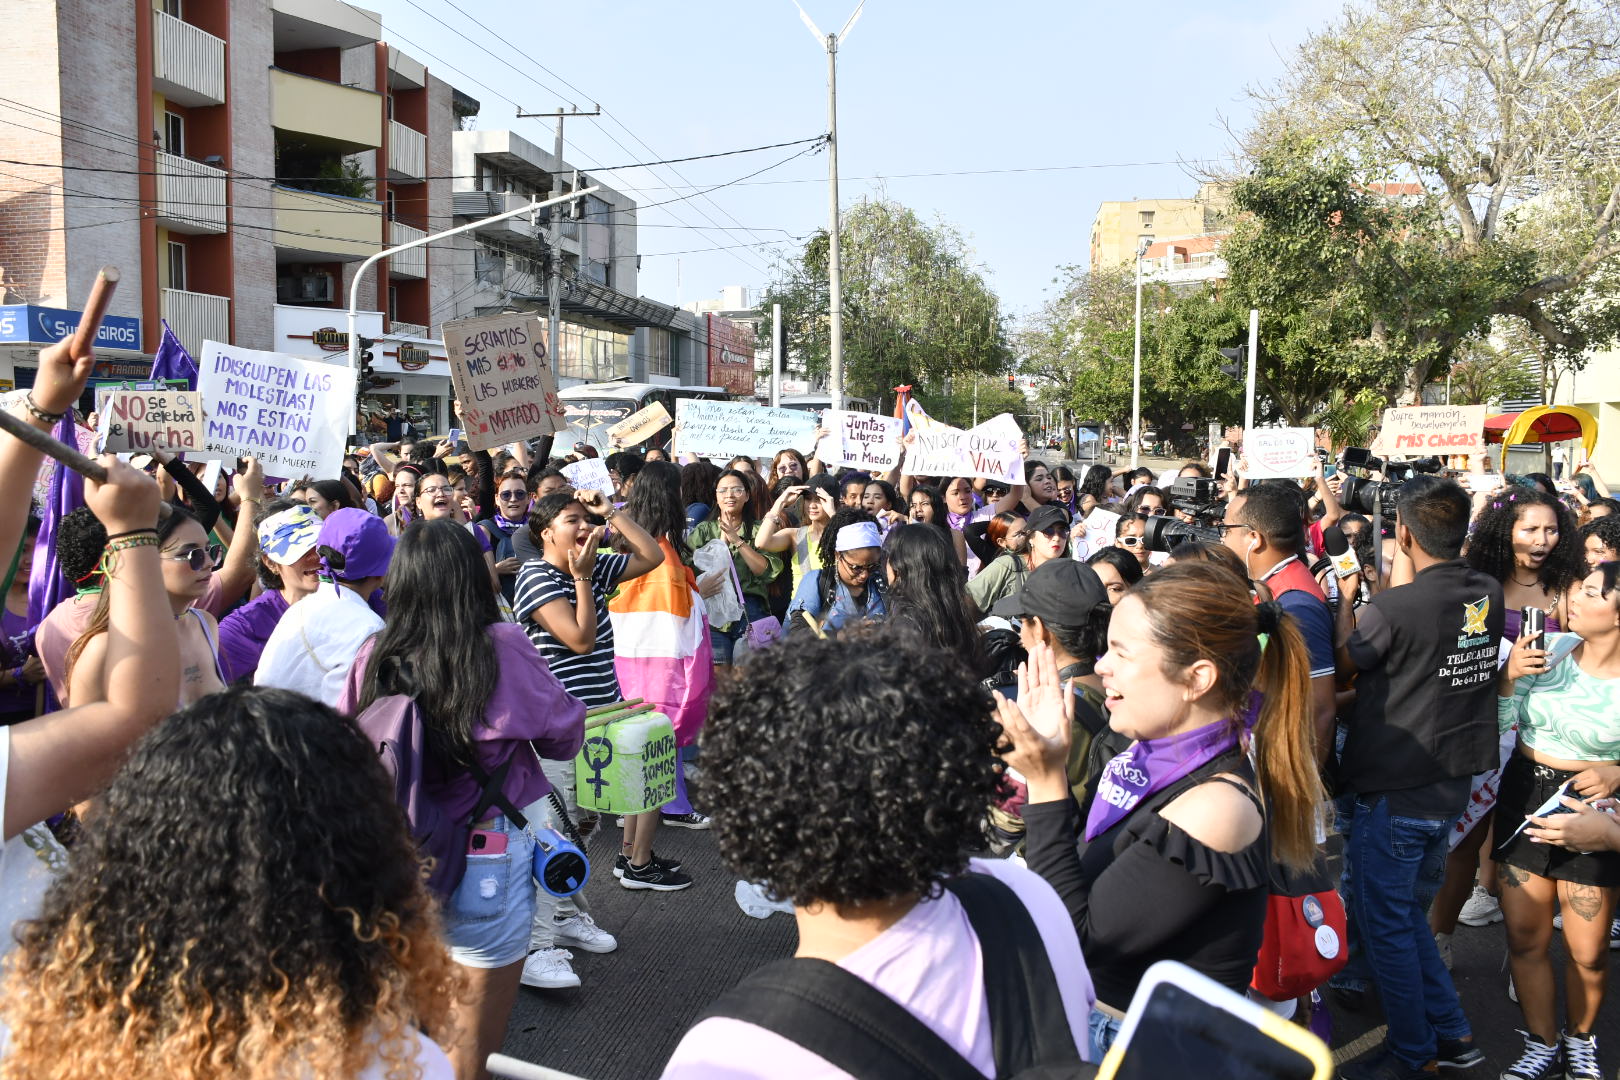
[[1130, 533], [188, 562], [853, 589], [817, 502], [1048, 535]]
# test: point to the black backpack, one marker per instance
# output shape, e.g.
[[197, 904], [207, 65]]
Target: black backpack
[[851, 1024]]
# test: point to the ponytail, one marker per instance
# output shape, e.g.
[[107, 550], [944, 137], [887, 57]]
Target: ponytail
[[1284, 746]]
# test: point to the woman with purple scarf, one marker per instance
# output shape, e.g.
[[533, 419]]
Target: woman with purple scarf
[[1170, 859]]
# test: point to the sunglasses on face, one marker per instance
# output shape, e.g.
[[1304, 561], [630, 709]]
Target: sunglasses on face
[[859, 569], [1130, 541], [512, 496], [199, 558], [1153, 511], [1056, 531]]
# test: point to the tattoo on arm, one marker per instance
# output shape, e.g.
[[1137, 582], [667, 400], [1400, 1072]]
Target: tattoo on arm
[[1585, 900], [1511, 876]]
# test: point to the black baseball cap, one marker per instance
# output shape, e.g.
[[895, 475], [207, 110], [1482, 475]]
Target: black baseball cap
[[1061, 591], [1044, 517]]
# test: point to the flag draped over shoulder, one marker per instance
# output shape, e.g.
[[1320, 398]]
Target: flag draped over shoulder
[[661, 644], [173, 362], [47, 586]]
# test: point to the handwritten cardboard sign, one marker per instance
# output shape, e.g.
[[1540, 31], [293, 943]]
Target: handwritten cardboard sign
[[589, 474], [989, 450], [1421, 430], [725, 429], [503, 379], [169, 420], [859, 440], [1284, 453], [640, 425], [290, 413]]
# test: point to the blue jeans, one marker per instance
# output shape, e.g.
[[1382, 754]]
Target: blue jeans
[[1103, 1029], [1392, 867], [724, 641], [486, 920]]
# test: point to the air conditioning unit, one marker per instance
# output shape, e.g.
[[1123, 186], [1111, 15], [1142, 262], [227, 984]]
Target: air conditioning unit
[[304, 288]]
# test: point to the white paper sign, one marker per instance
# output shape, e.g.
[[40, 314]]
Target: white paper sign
[[727, 429], [506, 386], [291, 414], [1100, 525], [989, 450], [859, 440], [1280, 453], [589, 474]]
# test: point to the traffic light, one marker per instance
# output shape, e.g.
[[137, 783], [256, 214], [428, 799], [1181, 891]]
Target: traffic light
[[1239, 357], [367, 379]]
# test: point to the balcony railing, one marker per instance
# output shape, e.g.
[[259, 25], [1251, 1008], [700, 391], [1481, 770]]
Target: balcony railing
[[407, 152], [412, 263], [407, 329], [188, 63], [190, 195], [197, 317]]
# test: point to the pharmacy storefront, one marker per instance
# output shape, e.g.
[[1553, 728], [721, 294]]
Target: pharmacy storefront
[[408, 372]]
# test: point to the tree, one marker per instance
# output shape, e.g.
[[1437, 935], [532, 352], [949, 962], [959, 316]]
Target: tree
[[916, 309], [1506, 115], [1496, 367]]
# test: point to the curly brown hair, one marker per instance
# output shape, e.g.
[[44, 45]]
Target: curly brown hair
[[246, 904]]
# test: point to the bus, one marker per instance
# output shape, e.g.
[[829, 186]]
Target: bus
[[594, 407]]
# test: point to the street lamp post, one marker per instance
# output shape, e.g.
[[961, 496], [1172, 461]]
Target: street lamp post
[[1136, 361], [835, 270]]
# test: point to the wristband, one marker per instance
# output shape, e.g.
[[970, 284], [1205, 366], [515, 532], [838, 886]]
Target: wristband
[[38, 413], [131, 532]]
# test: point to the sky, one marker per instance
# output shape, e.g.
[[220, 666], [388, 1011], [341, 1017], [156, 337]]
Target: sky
[[1142, 94]]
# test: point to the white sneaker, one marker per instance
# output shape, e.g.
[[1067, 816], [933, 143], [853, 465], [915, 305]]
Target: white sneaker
[[1442, 942], [580, 931], [549, 969], [1482, 909], [1558, 921]]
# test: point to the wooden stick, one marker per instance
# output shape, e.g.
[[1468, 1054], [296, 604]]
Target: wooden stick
[[45, 444], [95, 309], [598, 710], [614, 717]]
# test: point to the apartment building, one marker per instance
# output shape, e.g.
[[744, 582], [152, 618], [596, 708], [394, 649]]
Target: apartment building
[[1120, 227], [237, 159]]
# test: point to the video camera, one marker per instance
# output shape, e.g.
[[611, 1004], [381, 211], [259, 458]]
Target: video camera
[[1364, 495], [1197, 497]]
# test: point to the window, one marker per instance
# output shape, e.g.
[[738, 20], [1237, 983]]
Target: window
[[171, 7], [423, 411], [1147, 219], [388, 203], [174, 133], [393, 302], [660, 352], [177, 265]]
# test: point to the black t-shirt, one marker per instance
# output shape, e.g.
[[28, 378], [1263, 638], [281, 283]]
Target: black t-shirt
[[1425, 708]]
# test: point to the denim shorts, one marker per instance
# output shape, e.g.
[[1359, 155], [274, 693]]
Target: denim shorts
[[486, 920]]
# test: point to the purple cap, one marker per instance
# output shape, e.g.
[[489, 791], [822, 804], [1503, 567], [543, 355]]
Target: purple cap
[[360, 542]]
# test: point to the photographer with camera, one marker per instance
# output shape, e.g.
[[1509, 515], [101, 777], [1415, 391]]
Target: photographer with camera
[[1265, 527], [1421, 728]]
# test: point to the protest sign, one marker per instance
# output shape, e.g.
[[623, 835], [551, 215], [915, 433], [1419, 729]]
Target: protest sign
[[1280, 453], [725, 429], [503, 379], [1100, 525], [170, 420], [291, 414], [989, 450], [1422, 430], [859, 440], [640, 425], [589, 474]]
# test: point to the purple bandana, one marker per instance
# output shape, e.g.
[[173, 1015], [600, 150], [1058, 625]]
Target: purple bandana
[[1153, 765]]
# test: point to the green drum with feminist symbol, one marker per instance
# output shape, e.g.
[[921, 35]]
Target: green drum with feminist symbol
[[628, 762]]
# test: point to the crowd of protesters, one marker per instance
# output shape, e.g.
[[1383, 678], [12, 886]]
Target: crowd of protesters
[[994, 706]]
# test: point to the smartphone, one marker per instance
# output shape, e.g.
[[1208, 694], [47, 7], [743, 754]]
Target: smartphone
[[486, 842], [1223, 462], [1329, 469], [1181, 1023], [1533, 620]]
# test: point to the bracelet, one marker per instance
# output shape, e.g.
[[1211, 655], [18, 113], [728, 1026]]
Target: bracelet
[[582, 581], [39, 413], [132, 532], [145, 538], [608, 516]]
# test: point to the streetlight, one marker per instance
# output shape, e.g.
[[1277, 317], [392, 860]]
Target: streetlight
[[835, 270], [1136, 361]]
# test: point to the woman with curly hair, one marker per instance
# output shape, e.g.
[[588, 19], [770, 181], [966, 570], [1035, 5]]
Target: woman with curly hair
[[817, 500], [1527, 540], [880, 756], [848, 586], [928, 508], [1600, 540], [303, 944], [488, 699], [925, 591]]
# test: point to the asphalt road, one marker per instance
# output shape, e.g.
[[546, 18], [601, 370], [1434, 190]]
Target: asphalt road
[[678, 951]]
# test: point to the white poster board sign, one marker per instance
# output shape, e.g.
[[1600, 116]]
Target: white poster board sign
[[859, 440], [503, 379], [989, 450], [1423, 430], [727, 429], [170, 420], [1100, 525], [291, 414], [589, 474], [640, 425], [1284, 453]]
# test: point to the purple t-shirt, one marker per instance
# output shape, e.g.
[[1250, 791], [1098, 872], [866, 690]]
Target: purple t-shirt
[[528, 705], [243, 632]]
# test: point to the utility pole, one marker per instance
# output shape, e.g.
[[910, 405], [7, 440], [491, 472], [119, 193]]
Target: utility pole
[[835, 269], [554, 233], [1248, 381], [778, 357], [1136, 361]]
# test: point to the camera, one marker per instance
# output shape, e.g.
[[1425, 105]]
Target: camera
[[1360, 463], [1198, 497], [1370, 496], [1162, 533]]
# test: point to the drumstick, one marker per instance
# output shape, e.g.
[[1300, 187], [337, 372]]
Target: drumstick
[[95, 309], [45, 444]]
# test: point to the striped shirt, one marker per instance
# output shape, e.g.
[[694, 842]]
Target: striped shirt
[[587, 676]]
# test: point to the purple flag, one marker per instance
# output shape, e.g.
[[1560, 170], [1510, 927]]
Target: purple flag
[[47, 585], [172, 361]]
